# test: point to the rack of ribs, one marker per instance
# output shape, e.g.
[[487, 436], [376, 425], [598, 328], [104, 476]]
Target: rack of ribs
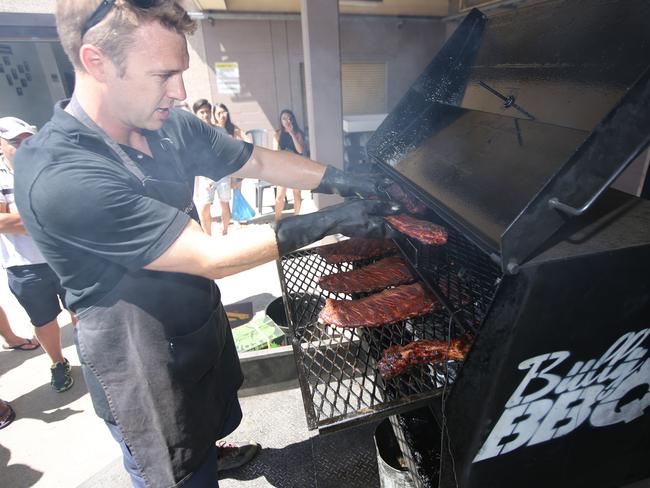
[[409, 203], [422, 230], [391, 271], [355, 249], [398, 359], [386, 307]]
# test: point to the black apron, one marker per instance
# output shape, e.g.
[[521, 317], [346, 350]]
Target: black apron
[[169, 377]]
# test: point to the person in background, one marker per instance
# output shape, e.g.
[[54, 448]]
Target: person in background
[[7, 414], [31, 280], [203, 110], [289, 137], [154, 341], [207, 187], [221, 117], [12, 341]]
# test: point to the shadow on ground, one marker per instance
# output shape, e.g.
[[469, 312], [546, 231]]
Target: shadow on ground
[[47, 405], [13, 359], [326, 461], [22, 475]]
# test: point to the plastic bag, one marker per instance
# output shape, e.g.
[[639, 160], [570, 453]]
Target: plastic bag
[[241, 210]]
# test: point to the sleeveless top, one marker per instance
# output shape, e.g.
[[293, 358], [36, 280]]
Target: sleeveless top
[[286, 142]]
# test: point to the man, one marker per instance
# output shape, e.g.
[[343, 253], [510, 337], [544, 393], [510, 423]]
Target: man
[[31, 280], [207, 188], [153, 338]]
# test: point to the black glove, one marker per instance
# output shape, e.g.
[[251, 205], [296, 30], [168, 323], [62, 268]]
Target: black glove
[[350, 184], [356, 218]]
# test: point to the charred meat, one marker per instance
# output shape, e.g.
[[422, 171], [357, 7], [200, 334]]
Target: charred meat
[[410, 204], [391, 271], [398, 359], [386, 307], [422, 230], [356, 249]]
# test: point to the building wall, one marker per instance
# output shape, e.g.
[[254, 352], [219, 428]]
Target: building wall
[[269, 53], [30, 80]]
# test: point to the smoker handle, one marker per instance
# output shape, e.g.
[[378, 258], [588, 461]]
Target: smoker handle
[[574, 212]]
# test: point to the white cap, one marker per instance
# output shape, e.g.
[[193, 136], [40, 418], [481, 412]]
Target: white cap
[[11, 127]]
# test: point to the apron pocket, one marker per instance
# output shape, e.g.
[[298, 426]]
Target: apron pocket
[[194, 354]]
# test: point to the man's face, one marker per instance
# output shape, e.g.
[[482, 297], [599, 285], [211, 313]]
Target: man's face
[[204, 114], [151, 80], [9, 147]]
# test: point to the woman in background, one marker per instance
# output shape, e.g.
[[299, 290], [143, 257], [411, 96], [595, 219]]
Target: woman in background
[[289, 137], [222, 119]]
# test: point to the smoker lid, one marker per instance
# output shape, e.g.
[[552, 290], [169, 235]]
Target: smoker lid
[[523, 118]]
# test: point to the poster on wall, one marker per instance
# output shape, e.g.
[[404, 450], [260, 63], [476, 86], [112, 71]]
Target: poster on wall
[[227, 78]]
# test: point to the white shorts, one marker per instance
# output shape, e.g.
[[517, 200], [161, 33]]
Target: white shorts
[[208, 188]]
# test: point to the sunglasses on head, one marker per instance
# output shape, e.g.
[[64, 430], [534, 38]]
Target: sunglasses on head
[[104, 8]]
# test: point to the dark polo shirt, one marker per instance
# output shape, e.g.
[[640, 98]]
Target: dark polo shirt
[[90, 216]]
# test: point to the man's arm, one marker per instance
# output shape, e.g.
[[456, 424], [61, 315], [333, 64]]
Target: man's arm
[[195, 252], [10, 223], [282, 168]]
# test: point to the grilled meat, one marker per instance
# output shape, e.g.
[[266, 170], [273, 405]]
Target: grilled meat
[[356, 249], [386, 307], [422, 230], [391, 271], [409, 203], [397, 359]]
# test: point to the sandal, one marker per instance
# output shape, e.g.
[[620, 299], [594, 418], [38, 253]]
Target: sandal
[[8, 416], [28, 345]]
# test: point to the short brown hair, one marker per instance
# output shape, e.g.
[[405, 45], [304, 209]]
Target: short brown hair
[[114, 34], [200, 103]]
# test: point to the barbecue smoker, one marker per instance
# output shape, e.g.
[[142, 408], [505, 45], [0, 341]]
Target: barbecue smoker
[[511, 137]]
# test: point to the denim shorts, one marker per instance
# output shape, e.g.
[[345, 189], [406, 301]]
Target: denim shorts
[[38, 290], [209, 188]]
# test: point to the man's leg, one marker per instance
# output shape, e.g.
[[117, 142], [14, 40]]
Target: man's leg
[[49, 335], [37, 288], [224, 193], [205, 217], [297, 202], [279, 202], [225, 217], [205, 476], [11, 339], [231, 455]]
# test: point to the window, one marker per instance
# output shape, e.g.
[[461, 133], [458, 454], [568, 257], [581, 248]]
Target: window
[[364, 88]]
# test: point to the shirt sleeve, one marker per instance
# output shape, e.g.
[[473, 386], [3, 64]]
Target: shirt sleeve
[[207, 150], [104, 212]]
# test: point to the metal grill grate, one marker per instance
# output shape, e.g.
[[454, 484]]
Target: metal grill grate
[[337, 366]]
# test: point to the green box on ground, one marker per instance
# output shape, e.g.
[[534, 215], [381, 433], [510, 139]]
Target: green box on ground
[[259, 333]]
